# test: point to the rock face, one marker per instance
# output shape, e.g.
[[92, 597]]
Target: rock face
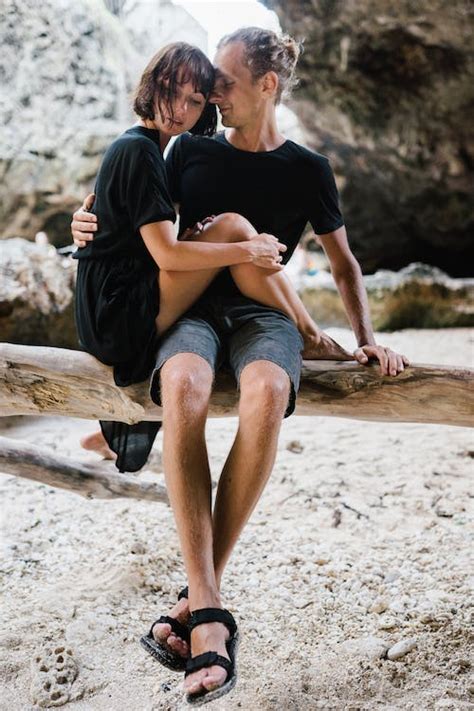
[[67, 68], [36, 295], [384, 92], [418, 296]]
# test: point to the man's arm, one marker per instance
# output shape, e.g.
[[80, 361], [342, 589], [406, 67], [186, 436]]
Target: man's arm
[[350, 283], [84, 223]]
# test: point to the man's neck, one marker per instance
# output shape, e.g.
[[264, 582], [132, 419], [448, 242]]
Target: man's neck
[[260, 136]]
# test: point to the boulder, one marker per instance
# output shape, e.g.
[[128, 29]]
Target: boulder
[[418, 296], [68, 68], [385, 90], [36, 295]]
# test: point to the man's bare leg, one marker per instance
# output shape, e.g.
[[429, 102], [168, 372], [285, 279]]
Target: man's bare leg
[[265, 389], [186, 383], [264, 397]]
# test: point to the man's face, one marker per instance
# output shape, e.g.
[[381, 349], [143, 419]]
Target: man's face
[[238, 98]]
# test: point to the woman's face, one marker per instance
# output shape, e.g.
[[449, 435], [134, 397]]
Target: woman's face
[[183, 113]]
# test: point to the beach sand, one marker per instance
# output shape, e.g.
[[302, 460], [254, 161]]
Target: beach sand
[[363, 538]]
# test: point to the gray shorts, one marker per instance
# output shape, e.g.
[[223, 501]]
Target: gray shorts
[[231, 334]]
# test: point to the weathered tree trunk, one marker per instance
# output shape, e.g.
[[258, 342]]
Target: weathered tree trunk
[[54, 381], [89, 480]]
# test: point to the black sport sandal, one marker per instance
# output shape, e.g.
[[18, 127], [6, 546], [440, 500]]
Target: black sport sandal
[[158, 650], [209, 659]]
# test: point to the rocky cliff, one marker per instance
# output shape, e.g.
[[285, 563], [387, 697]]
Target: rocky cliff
[[67, 68], [386, 91]]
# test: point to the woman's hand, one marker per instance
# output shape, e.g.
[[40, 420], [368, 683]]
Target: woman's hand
[[265, 251]]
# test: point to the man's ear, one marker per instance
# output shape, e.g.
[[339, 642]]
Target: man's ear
[[270, 84]]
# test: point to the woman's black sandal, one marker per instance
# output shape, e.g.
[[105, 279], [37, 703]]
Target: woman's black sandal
[[158, 650], [209, 659]]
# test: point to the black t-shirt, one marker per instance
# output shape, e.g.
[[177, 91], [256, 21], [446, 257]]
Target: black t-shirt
[[278, 191], [131, 191]]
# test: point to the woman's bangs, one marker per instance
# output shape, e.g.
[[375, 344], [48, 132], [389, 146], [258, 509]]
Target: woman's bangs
[[199, 73]]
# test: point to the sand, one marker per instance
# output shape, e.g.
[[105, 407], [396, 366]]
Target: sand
[[362, 540]]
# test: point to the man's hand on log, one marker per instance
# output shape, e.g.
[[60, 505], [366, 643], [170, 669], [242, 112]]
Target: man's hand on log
[[391, 363], [84, 223]]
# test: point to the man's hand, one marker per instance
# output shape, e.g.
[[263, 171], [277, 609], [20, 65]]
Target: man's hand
[[192, 232], [391, 363], [84, 223]]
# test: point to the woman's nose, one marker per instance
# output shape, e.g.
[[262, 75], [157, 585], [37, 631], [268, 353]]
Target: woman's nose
[[181, 108]]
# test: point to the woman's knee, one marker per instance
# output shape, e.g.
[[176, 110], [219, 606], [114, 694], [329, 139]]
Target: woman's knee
[[234, 227]]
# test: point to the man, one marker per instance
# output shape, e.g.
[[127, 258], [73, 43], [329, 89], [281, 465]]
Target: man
[[250, 169]]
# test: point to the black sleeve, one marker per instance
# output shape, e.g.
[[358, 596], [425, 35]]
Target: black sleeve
[[324, 211], [145, 190], [174, 161]]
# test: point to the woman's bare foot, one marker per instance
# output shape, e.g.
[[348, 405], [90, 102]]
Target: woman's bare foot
[[206, 638], [96, 443], [320, 346], [162, 632]]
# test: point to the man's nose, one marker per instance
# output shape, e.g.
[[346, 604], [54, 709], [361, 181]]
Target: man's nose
[[215, 96]]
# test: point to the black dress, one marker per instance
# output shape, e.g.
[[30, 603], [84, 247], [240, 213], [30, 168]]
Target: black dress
[[117, 295]]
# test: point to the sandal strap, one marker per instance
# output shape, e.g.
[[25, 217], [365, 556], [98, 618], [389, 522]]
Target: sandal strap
[[179, 629], [212, 614], [208, 659], [183, 593]]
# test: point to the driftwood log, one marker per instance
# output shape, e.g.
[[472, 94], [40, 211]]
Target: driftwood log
[[53, 381], [90, 480]]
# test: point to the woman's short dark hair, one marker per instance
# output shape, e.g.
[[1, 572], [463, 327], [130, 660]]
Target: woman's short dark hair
[[172, 66]]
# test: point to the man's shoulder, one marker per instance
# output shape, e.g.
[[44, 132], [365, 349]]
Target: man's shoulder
[[317, 161], [188, 141]]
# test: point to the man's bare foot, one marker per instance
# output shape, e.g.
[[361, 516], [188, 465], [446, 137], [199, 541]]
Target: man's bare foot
[[96, 443], [320, 346], [206, 638], [162, 632]]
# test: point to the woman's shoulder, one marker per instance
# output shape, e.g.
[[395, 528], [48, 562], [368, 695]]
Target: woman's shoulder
[[135, 143]]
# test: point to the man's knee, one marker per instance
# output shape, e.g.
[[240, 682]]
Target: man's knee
[[264, 387], [186, 383]]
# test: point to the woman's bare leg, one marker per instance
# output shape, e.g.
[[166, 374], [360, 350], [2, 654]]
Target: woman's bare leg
[[273, 288], [180, 290]]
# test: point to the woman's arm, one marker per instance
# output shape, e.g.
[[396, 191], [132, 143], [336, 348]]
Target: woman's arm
[[173, 255]]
